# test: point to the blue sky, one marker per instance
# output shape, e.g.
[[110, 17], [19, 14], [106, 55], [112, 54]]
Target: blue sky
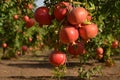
[[39, 3]]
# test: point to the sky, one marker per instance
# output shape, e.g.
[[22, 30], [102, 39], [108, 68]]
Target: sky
[[39, 3]]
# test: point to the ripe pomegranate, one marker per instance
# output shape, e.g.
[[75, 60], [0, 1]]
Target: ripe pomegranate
[[18, 53], [88, 31], [99, 51], [26, 18], [115, 44], [57, 58], [61, 10], [4, 45], [30, 48], [77, 16], [24, 48], [42, 16], [30, 23], [30, 39], [76, 49], [30, 6], [68, 34], [15, 17]]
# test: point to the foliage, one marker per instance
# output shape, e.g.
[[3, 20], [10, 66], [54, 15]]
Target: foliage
[[105, 13], [13, 31]]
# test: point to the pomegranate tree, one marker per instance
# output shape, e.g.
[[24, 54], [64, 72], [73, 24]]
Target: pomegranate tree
[[17, 26], [71, 22], [68, 30]]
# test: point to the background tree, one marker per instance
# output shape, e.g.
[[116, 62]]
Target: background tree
[[17, 25]]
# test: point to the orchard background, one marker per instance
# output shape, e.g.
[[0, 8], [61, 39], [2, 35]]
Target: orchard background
[[24, 31]]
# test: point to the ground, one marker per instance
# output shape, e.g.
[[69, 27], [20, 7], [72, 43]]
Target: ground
[[30, 68]]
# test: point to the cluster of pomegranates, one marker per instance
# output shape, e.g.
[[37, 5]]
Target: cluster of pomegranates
[[29, 21], [77, 28], [101, 52]]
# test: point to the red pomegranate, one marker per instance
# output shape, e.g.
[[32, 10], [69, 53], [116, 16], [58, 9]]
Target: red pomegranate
[[26, 18], [61, 9], [76, 49], [24, 48], [4, 45], [30, 23], [115, 44], [88, 31], [42, 16], [57, 58], [30, 39], [68, 34], [30, 6], [15, 17], [99, 51], [77, 16]]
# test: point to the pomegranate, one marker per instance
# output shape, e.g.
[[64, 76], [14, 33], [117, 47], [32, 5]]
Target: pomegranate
[[15, 17], [76, 49], [26, 18], [77, 16], [24, 48], [115, 44], [30, 39], [68, 34], [42, 16], [30, 6], [30, 48], [30, 23], [4, 45], [57, 58], [88, 31], [18, 53], [99, 51], [61, 10]]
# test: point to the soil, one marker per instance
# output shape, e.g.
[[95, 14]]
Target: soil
[[30, 68]]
